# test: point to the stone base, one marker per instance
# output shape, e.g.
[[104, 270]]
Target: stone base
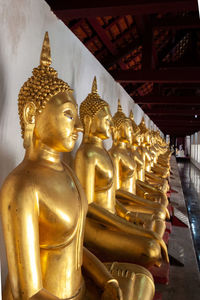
[[161, 274], [158, 296], [166, 237], [169, 227]]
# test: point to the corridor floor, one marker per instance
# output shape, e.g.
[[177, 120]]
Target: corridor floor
[[184, 281], [190, 180]]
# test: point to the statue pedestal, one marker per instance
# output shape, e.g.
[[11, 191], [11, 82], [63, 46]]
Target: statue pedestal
[[158, 296], [168, 227], [161, 274], [166, 237]]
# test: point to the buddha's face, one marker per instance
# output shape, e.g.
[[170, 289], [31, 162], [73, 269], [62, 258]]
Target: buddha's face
[[141, 139], [147, 137], [138, 138], [102, 123], [58, 124], [126, 132], [152, 140]]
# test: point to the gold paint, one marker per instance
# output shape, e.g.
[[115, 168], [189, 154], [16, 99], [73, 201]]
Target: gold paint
[[108, 232], [149, 215], [42, 203]]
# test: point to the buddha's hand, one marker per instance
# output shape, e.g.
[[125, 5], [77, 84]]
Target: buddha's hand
[[112, 291]]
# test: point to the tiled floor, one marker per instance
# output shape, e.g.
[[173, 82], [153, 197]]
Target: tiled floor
[[184, 281], [190, 179]]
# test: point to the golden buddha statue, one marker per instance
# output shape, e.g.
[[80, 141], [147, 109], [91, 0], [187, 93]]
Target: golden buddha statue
[[140, 157], [137, 157], [164, 150], [155, 190], [159, 170], [108, 232], [42, 203], [126, 170], [158, 152]]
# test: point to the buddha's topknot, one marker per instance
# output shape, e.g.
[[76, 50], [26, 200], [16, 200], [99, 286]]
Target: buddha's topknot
[[92, 104], [42, 85]]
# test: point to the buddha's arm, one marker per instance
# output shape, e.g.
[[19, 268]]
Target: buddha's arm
[[100, 274], [149, 187], [129, 215], [148, 154], [85, 171], [19, 213], [117, 223], [129, 198], [105, 217], [138, 159]]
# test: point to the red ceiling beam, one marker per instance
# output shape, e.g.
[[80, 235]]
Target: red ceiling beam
[[122, 53], [172, 100], [178, 75], [144, 28], [173, 112], [105, 39], [176, 22], [88, 8], [175, 118], [177, 124], [180, 86]]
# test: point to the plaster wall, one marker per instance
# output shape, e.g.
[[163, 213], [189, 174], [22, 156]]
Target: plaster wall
[[23, 24], [195, 149]]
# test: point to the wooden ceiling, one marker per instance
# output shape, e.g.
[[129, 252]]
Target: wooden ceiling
[[152, 47]]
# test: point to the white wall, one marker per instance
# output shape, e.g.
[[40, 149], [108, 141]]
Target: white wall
[[195, 149], [23, 24]]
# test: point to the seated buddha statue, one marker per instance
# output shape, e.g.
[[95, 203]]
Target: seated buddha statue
[[163, 148], [157, 169], [109, 234], [158, 153], [153, 192], [42, 203], [146, 144], [140, 160], [126, 167]]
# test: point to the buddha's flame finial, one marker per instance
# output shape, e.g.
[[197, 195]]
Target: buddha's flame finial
[[131, 116], [119, 108], [45, 57], [94, 86]]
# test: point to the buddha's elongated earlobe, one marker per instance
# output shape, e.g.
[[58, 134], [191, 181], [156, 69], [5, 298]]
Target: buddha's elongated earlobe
[[29, 114], [87, 126]]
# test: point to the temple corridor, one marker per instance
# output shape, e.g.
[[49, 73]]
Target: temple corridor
[[190, 180], [184, 281]]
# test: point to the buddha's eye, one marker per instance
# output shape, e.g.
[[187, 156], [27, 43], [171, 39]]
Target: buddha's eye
[[68, 114]]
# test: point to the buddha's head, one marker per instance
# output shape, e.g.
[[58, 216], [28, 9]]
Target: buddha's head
[[153, 137], [47, 109], [144, 131], [136, 130], [122, 127], [95, 115]]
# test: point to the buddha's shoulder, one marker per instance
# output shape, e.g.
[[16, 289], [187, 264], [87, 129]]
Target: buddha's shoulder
[[19, 177], [115, 152], [17, 187], [87, 150]]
